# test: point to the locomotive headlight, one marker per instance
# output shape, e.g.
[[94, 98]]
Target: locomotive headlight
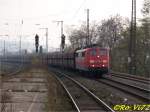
[[104, 61], [92, 61]]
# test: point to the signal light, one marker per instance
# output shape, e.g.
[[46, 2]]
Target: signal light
[[36, 40], [63, 41]]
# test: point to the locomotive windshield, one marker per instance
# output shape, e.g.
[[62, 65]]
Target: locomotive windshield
[[93, 52], [103, 52]]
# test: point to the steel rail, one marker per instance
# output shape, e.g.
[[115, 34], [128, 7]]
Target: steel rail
[[131, 77], [126, 88], [126, 84], [11, 75], [63, 85], [97, 99]]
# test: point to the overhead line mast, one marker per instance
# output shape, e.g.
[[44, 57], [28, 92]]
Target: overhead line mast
[[62, 36], [132, 41], [88, 41]]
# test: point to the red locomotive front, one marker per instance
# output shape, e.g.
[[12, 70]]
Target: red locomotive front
[[94, 59]]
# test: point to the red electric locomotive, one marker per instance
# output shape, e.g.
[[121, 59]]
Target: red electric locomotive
[[93, 59]]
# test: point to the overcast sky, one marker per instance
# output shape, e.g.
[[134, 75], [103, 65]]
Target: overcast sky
[[43, 12]]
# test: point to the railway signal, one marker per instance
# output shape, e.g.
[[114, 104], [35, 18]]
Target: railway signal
[[63, 41], [36, 42]]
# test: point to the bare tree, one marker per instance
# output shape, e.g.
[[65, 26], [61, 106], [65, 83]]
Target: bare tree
[[78, 37], [109, 32]]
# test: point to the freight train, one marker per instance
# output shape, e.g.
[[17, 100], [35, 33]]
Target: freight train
[[90, 59]]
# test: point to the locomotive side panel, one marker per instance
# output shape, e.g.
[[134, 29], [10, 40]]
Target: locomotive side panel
[[81, 60]]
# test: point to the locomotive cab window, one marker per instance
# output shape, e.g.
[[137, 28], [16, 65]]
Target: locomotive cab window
[[83, 54], [103, 52], [76, 54], [79, 54], [93, 52]]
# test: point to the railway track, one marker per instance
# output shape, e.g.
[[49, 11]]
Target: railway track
[[7, 76], [142, 93], [131, 94], [131, 77], [12, 68], [24, 91], [82, 98]]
